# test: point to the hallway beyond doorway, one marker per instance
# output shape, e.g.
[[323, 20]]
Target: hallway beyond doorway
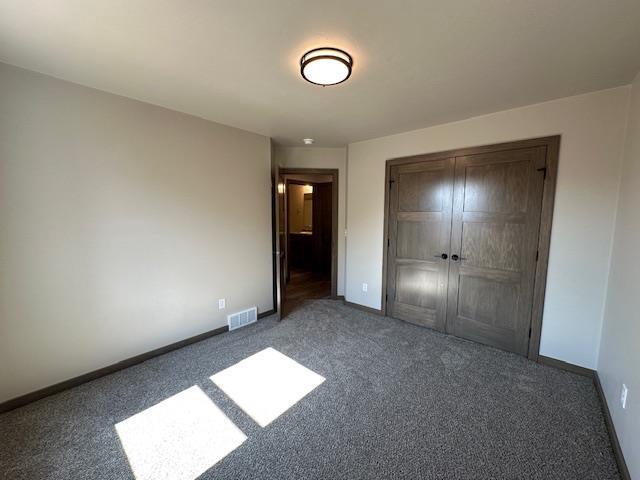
[[305, 285], [307, 216]]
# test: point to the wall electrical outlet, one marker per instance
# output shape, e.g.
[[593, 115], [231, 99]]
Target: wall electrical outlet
[[365, 287], [222, 303], [623, 396]]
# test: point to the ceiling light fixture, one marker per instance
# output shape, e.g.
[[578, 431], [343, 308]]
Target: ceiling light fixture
[[308, 141], [326, 66]]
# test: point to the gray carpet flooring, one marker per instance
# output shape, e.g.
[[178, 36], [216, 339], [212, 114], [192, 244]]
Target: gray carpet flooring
[[399, 402]]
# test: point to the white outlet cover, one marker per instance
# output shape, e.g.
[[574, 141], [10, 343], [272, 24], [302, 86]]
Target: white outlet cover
[[222, 304], [623, 396], [365, 287]]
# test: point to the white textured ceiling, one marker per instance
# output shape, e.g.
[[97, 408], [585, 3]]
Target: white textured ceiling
[[417, 62]]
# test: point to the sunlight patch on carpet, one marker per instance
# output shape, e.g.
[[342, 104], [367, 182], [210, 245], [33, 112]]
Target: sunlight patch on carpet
[[267, 384], [179, 438]]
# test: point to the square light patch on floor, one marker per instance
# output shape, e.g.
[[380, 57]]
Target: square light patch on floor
[[266, 384], [179, 438]]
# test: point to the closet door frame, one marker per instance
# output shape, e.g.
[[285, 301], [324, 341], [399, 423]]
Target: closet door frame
[[552, 145]]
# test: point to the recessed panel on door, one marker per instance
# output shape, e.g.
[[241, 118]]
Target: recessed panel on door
[[419, 235]]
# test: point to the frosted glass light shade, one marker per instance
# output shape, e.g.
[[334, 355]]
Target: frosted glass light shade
[[326, 66]]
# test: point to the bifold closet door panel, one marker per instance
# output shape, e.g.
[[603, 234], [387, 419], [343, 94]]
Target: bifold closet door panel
[[496, 219], [420, 205]]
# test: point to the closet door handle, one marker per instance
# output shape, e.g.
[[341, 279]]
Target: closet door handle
[[455, 258], [443, 256]]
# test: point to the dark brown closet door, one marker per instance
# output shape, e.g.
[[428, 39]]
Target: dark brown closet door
[[496, 218], [420, 205]]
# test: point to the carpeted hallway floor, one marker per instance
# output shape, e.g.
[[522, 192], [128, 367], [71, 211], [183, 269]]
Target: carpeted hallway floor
[[398, 402]]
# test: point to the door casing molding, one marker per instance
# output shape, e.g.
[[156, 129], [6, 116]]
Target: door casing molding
[[552, 145]]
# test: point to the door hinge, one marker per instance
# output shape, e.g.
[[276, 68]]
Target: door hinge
[[386, 297], [388, 242], [529, 332], [391, 182], [537, 255], [544, 172]]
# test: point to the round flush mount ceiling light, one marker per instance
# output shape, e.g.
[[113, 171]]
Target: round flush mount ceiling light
[[326, 66], [308, 141]]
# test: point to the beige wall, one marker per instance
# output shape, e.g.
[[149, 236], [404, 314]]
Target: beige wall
[[620, 348], [592, 129], [318, 157], [121, 225], [296, 207]]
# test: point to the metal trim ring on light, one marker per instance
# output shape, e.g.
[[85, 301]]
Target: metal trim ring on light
[[304, 61]]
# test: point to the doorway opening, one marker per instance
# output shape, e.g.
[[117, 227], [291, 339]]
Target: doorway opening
[[307, 233]]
